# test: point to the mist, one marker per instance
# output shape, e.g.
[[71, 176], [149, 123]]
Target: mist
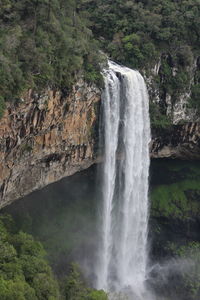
[[63, 216]]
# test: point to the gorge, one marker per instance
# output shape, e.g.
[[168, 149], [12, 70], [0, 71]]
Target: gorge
[[43, 145], [87, 210]]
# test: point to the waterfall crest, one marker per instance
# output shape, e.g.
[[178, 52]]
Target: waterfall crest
[[124, 218]]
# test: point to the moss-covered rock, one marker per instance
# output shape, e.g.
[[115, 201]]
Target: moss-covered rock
[[176, 191]]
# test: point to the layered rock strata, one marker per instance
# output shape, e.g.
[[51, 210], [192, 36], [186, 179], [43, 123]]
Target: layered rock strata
[[45, 138], [179, 141]]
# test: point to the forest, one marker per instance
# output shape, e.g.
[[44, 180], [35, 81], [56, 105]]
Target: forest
[[143, 34], [51, 43], [46, 43], [43, 43]]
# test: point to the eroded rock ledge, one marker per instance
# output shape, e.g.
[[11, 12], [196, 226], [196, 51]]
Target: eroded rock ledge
[[45, 138], [180, 141]]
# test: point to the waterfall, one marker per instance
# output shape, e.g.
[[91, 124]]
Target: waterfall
[[124, 217]]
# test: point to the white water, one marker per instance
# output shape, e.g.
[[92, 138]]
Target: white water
[[123, 250]]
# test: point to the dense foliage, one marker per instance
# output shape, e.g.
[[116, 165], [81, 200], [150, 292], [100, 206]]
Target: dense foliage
[[75, 288], [136, 32], [24, 272], [43, 43], [26, 275], [145, 33]]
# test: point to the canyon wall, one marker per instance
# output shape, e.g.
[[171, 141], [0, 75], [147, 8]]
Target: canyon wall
[[45, 138]]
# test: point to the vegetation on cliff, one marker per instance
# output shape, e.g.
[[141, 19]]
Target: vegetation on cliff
[[145, 33], [137, 32], [46, 43], [43, 44], [176, 196]]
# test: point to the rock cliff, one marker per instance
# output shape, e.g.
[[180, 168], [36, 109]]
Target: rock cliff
[[45, 138], [177, 135], [48, 136], [174, 100], [179, 141]]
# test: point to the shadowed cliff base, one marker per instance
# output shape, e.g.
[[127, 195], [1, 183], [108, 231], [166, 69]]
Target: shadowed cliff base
[[63, 217]]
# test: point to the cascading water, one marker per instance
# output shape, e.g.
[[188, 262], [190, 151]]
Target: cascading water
[[123, 244]]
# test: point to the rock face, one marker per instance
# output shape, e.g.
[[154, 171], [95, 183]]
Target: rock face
[[180, 141], [45, 138], [181, 137], [173, 102]]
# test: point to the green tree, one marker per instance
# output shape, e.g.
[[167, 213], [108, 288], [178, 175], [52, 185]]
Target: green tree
[[75, 288], [24, 271]]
